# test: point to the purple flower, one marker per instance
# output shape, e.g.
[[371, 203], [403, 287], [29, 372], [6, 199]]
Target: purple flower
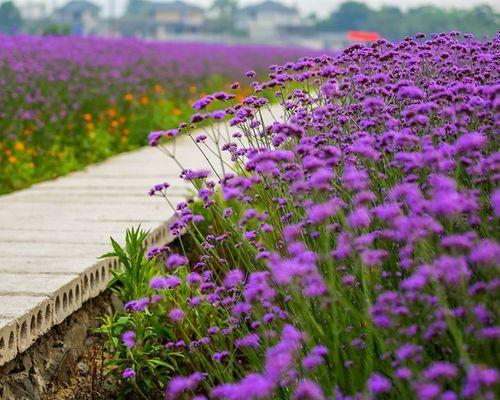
[[155, 137], [486, 252], [128, 373], [479, 377], [440, 369], [495, 202], [379, 384], [164, 282], [252, 386], [137, 305], [373, 258], [176, 315], [128, 339], [470, 142], [220, 355], [194, 278], [181, 384], [233, 278], [176, 260], [251, 340], [318, 213], [158, 282], [308, 390], [359, 218], [410, 92], [451, 269]]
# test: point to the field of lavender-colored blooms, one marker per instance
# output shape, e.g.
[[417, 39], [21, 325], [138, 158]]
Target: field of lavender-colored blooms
[[66, 102], [347, 250]]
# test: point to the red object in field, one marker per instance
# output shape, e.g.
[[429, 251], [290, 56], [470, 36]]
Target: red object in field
[[363, 36]]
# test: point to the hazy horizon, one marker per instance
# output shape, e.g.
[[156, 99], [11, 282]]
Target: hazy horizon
[[320, 7]]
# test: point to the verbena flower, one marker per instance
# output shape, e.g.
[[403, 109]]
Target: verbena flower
[[351, 248]]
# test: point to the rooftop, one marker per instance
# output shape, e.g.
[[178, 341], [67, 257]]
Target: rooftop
[[76, 6], [175, 6], [269, 6]]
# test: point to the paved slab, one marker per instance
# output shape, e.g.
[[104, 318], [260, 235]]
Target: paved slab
[[52, 234]]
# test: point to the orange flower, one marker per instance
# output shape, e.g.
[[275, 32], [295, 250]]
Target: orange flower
[[158, 89], [19, 146], [87, 117], [192, 89], [144, 100], [115, 124], [124, 139], [12, 159], [31, 165], [112, 112], [177, 111], [129, 97]]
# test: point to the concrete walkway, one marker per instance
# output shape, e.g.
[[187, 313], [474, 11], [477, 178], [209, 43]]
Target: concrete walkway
[[52, 234]]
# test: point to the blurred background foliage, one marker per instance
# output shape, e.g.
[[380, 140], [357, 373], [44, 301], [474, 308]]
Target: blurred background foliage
[[394, 23]]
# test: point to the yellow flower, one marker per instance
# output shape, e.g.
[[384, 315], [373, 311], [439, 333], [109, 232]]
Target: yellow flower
[[124, 139]]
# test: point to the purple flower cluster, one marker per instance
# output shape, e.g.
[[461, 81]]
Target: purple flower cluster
[[356, 255], [67, 99]]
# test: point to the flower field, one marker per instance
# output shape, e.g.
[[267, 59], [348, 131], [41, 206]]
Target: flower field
[[351, 251], [66, 102]]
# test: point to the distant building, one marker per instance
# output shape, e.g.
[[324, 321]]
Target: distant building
[[33, 10], [175, 17], [269, 19], [81, 15]]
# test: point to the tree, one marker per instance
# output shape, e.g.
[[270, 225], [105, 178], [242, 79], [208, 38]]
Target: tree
[[387, 21], [351, 15], [56, 30], [394, 24], [137, 7], [225, 13], [10, 18]]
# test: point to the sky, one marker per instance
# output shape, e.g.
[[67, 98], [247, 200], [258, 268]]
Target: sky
[[321, 7]]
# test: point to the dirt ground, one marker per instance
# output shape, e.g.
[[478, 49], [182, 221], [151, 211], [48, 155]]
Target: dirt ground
[[86, 380]]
